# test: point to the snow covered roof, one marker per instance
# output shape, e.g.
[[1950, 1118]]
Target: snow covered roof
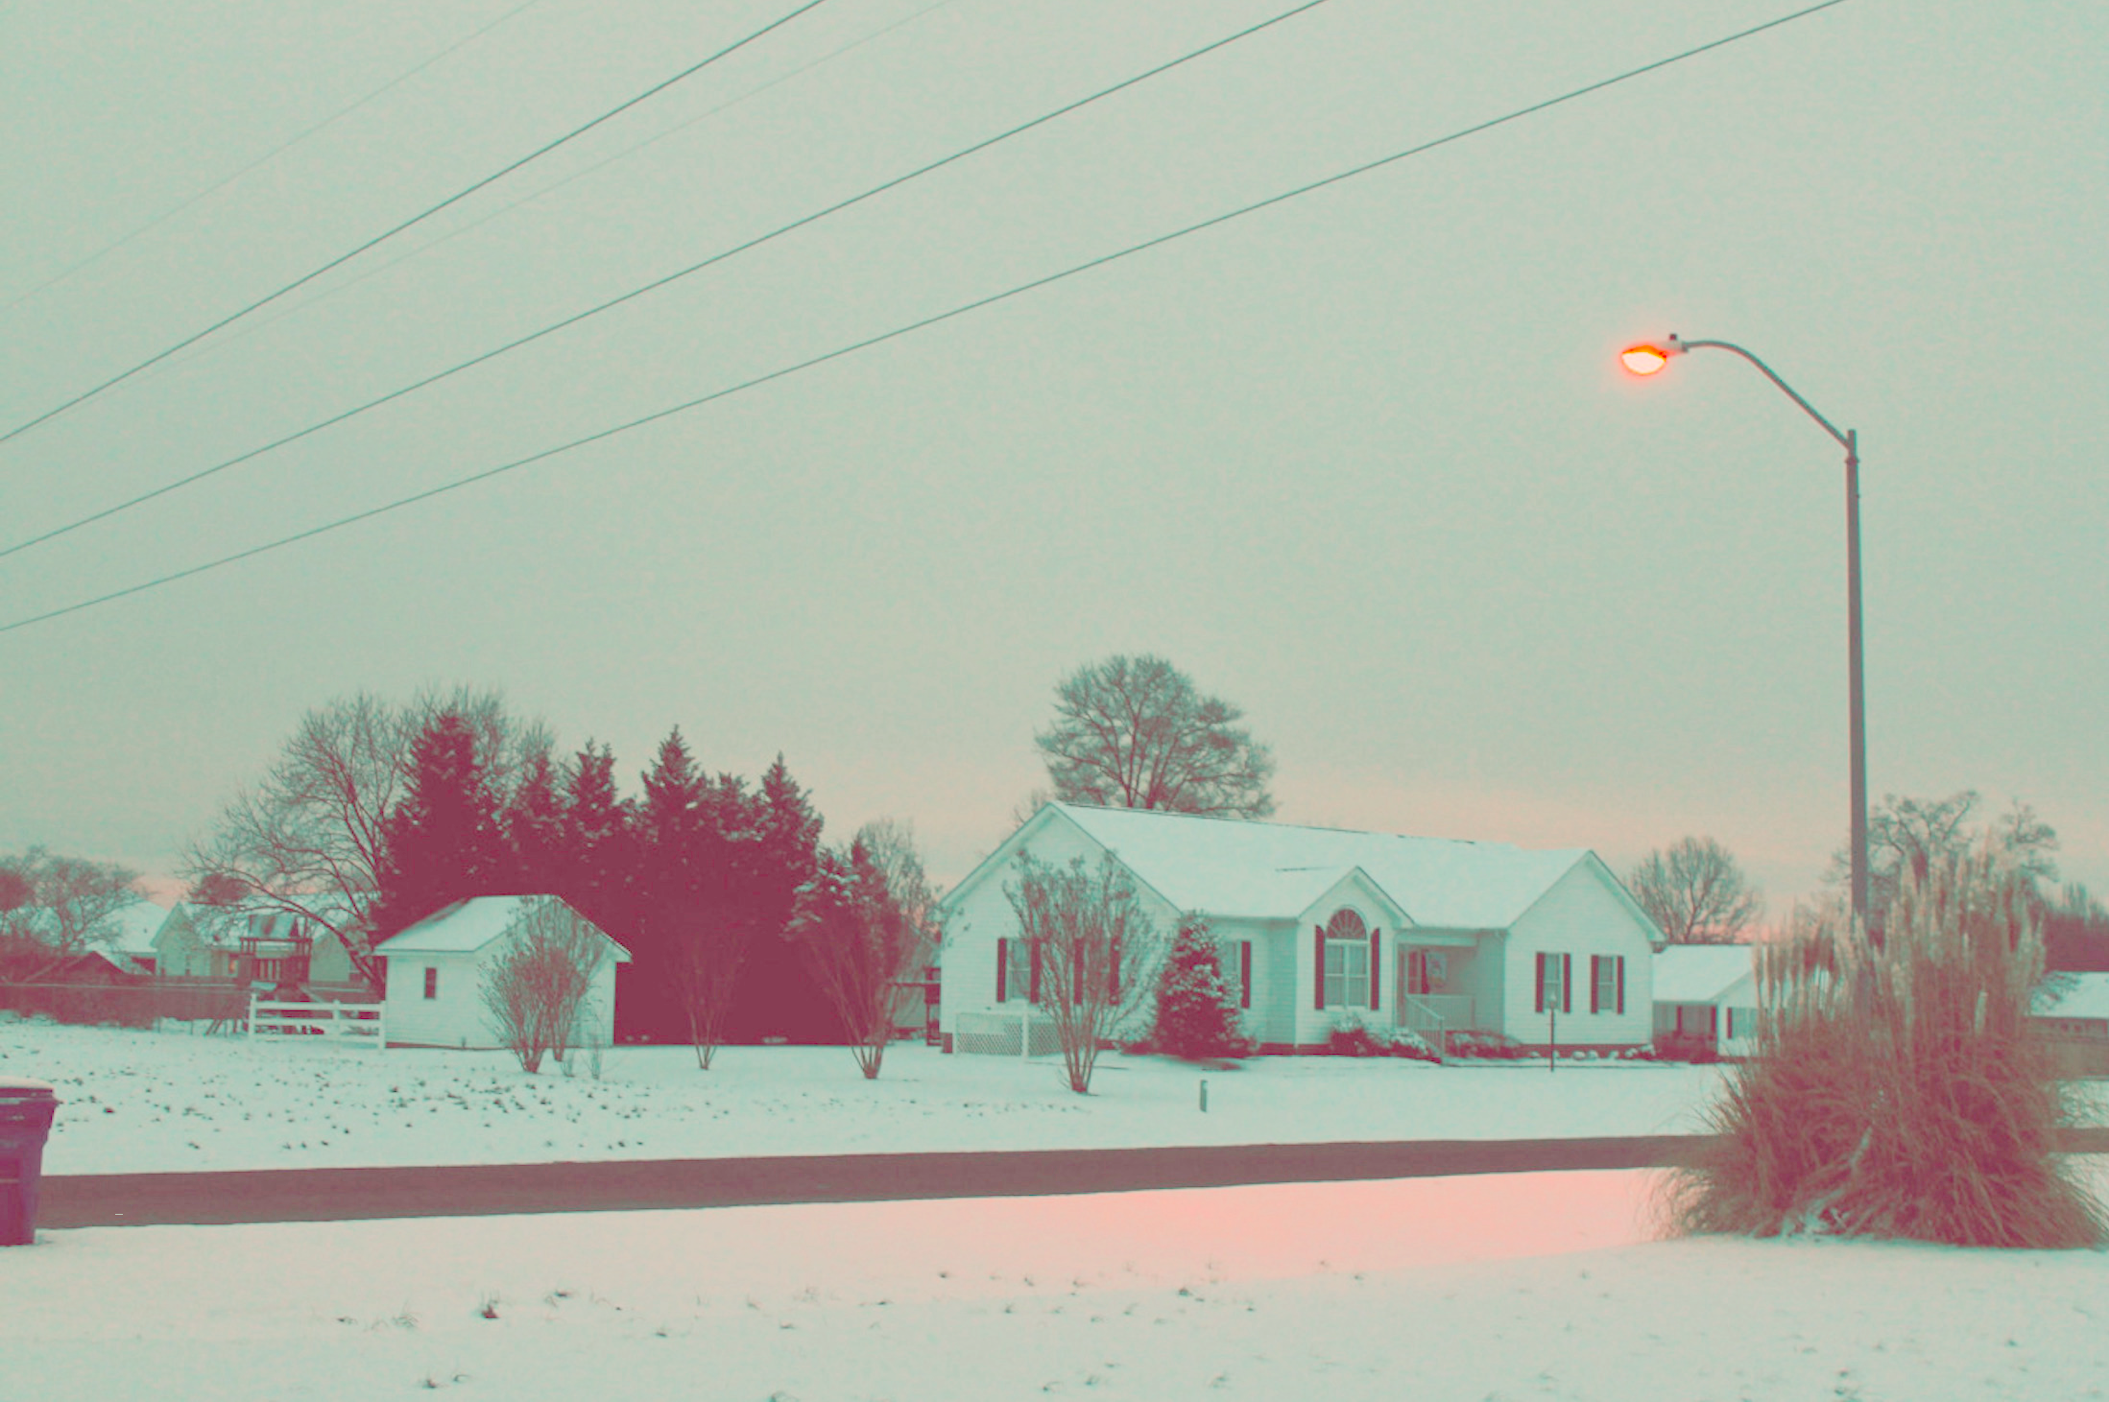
[[1230, 867], [2073, 995], [467, 926], [137, 924], [1701, 973]]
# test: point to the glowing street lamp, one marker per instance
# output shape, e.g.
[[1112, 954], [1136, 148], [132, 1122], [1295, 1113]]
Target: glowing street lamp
[[1647, 359]]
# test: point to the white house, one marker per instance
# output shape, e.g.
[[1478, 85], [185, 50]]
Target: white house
[[251, 946], [1706, 994], [436, 970], [1319, 925]]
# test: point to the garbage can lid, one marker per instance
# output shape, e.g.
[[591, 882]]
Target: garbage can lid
[[14, 1089]]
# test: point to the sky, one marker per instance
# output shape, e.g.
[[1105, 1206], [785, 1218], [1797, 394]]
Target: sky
[[1363, 462]]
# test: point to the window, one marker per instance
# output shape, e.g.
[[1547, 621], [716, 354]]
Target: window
[[1555, 988], [1742, 1022], [431, 982], [1427, 971], [1607, 983], [1017, 972], [1346, 941]]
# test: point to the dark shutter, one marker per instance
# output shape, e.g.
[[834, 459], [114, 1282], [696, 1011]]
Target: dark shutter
[[1244, 973], [1003, 965], [1566, 983], [1621, 983], [1596, 962], [1318, 971], [1032, 993], [1538, 1005], [1376, 981]]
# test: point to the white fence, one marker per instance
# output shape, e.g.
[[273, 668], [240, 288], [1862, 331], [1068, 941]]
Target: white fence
[[349, 1022], [1005, 1033]]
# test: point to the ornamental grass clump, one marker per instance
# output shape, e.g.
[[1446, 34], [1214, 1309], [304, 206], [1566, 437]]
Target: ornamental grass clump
[[1898, 1090]]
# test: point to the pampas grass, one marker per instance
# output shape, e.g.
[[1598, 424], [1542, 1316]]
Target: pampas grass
[[1898, 1091]]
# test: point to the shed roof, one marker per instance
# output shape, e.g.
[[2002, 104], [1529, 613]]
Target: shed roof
[[1701, 973], [2073, 995], [1231, 867], [467, 926]]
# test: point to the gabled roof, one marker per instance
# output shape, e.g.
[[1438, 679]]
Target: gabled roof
[[467, 926], [137, 924], [2073, 995], [1701, 973], [1274, 871]]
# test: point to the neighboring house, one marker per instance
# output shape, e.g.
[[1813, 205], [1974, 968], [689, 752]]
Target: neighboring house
[[1706, 997], [2072, 1010], [137, 925], [436, 971], [1322, 925], [271, 948]]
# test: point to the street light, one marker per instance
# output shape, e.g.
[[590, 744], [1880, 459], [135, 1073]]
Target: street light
[[1647, 359]]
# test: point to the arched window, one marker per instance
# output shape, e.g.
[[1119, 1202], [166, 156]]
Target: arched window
[[1346, 970]]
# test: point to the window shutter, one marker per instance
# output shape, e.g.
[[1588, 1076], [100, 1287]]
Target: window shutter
[[1003, 965], [1596, 964], [1539, 986], [1566, 983], [1376, 982], [1244, 973], [1318, 971], [1621, 983], [1032, 993]]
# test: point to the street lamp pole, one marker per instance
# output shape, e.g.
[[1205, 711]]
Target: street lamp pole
[[1646, 360]]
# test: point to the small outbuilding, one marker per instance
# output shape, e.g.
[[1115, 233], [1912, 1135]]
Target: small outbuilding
[[2072, 1012], [1706, 999], [437, 971]]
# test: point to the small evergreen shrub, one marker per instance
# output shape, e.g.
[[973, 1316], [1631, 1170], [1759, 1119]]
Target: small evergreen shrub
[[1898, 1091], [1197, 1011], [1354, 1035]]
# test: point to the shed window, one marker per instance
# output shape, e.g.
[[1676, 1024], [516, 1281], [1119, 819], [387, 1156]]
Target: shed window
[[431, 982], [1346, 961]]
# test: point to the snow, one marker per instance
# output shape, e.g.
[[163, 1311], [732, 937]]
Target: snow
[[140, 1101], [2074, 996], [1687, 973], [1275, 870], [1523, 1286], [467, 926]]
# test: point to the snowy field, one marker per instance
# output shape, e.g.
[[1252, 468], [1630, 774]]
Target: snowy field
[[135, 1101], [1498, 1289]]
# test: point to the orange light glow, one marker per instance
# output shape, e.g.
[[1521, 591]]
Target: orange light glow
[[1643, 360]]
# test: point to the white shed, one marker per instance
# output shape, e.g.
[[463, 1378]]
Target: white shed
[[436, 970], [1324, 925], [1706, 996]]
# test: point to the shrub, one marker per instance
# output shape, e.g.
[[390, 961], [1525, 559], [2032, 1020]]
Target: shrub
[[1353, 1035], [1197, 1014], [1492, 1046], [1898, 1091]]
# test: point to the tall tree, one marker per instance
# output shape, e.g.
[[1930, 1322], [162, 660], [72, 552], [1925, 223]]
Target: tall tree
[[1909, 837], [442, 842], [1696, 893], [533, 821], [668, 874], [716, 934], [70, 908], [595, 870], [779, 995], [1133, 732]]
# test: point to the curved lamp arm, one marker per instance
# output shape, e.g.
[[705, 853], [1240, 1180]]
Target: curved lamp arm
[[1674, 346]]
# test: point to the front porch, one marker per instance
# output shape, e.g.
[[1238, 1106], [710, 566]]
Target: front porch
[[1434, 996]]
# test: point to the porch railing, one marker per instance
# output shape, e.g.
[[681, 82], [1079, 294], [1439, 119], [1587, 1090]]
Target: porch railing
[[1434, 1016]]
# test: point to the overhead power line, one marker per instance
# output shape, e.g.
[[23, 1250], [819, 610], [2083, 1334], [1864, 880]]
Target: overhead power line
[[938, 318], [657, 283], [280, 149], [383, 237]]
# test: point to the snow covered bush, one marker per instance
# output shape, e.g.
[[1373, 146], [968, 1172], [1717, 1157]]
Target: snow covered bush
[[1899, 1090], [1197, 1013], [1356, 1035]]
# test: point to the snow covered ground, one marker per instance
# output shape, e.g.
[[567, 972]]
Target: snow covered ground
[[135, 1101], [1493, 1289]]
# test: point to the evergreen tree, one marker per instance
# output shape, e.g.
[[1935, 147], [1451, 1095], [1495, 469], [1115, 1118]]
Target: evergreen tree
[[670, 857], [534, 826], [594, 869], [779, 995], [442, 843], [1197, 1011]]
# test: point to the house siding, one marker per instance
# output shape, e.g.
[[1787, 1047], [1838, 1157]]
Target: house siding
[[457, 1017], [1579, 916]]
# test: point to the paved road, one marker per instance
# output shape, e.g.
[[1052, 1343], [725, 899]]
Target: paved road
[[347, 1194]]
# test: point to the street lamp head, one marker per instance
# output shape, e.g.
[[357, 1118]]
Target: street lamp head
[[1648, 357]]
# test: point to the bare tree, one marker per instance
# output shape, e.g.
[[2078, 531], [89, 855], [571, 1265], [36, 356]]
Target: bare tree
[[866, 923], [1909, 837], [1097, 950], [1132, 732], [69, 908], [535, 989], [1696, 893], [309, 839]]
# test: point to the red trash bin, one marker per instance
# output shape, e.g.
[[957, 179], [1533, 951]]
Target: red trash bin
[[26, 1108]]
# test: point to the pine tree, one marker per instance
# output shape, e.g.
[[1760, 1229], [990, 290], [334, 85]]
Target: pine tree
[[594, 871], [670, 857], [779, 995], [534, 826], [442, 843], [1197, 1012]]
